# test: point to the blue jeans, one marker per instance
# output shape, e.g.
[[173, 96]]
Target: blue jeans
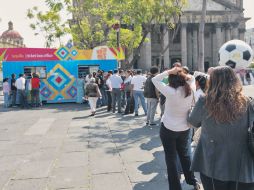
[[139, 95], [6, 99]]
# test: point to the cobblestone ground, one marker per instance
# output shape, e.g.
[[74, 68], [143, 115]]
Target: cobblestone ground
[[60, 147]]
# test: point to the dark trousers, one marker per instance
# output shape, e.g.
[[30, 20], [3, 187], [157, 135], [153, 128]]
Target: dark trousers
[[177, 143], [130, 103], [123, 98], [13, 97], [116, 96], [23, 99], [213, 184], [109, 100], [35, 96]]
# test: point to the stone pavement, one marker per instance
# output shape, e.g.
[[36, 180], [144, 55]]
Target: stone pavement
[[60, 147]]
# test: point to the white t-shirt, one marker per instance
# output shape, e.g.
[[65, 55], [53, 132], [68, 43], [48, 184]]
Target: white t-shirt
[[138, 82], [116, 81], [177, 106], [20, 83], [108, 83], [128, 80], [87, 80]]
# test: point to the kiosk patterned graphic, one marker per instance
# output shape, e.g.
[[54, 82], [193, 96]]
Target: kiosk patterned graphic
[[60, 85]]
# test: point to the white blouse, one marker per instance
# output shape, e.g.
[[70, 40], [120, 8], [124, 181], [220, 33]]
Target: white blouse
[[177, 106]]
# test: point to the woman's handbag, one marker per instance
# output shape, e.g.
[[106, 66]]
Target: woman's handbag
[[127, 87], [196, 136], [250, 131]]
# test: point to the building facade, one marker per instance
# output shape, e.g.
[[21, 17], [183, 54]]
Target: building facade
[[224, 21], [11, 38], [249, 37]]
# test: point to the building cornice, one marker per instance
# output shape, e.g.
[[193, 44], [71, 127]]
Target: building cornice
[[234, 17], [227, 4]]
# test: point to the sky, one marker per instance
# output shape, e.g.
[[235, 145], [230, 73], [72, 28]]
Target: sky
[[15, 11]]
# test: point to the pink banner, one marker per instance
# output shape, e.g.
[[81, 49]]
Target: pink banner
[[27, 54]]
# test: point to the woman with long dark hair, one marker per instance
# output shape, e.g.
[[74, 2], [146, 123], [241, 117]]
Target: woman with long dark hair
[[175, 133], [222, 156]]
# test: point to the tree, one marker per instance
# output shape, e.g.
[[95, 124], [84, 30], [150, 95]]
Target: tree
[[251, 65], [92, 21], [162, 13], [201, 53], [174, 26], [48, 23]]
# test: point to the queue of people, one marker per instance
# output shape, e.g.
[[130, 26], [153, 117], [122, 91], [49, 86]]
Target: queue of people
[[213, 103], [18, 90], [218, 107], [224, 114]]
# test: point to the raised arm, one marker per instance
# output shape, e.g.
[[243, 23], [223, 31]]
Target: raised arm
[[166, 90]]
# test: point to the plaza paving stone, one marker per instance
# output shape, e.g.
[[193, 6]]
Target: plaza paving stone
[[60, 147]]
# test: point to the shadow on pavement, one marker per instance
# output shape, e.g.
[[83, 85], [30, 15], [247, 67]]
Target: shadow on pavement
[[61, 107]]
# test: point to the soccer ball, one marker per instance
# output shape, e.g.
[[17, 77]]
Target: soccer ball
[[236, 54]]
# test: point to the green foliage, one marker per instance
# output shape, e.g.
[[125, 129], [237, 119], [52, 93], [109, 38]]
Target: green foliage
[[48, 23], [93, 19], [251, 65]]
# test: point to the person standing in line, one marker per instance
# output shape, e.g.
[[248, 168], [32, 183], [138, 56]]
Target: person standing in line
[[28, 88], [152, 96], [13, 90], [175, 133], [116, 82], [6, 91], [138, 91], [21, 89], [127, 90], [248, 78], [222, 156], [87, 79], [201, 84], [109, 91], [92, 94], [80, 89], [101, 84], [35, 92], [123, 98]]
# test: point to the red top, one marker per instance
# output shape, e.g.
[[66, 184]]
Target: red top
[[35, 82]]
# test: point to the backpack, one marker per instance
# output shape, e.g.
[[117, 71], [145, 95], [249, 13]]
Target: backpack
[[146, 88]]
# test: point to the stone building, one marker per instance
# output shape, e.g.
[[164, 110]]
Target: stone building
[[11, 38], [224, 21], [249, 37]]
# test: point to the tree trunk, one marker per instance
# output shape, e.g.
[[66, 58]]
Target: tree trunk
[[201, 54], [137, 51], [162, 34], [170, 41]]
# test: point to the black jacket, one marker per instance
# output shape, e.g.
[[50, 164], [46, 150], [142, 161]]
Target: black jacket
[[149, 89]]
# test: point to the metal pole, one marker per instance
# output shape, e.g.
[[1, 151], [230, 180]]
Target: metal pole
[[118, 42]]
